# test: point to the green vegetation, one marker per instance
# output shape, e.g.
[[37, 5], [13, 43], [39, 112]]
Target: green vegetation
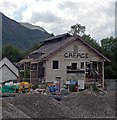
[[21, 37], [92, 42], [94, 87], [12, 53], [27, 73], [77, 29], [108, 47]]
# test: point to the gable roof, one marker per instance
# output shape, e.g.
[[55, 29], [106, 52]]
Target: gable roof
[[10, 69], [47, 50], [5, 61]]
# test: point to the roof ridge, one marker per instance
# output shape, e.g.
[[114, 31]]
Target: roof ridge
[[55, 37]]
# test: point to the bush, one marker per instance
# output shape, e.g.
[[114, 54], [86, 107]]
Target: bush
[[94, 88]]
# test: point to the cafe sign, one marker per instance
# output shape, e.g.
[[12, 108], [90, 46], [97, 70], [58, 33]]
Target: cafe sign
[[75, 55]]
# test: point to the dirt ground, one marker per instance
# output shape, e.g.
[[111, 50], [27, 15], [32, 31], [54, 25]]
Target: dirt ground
[[85, 104]]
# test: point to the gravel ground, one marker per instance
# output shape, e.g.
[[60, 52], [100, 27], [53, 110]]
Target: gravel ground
[[110, 99], [10, 111], [39, 106], [84, 104], [89, 105]]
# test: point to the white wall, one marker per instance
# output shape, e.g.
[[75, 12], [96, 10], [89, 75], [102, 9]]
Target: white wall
[[51, 73], [9, 64], [6, 74]]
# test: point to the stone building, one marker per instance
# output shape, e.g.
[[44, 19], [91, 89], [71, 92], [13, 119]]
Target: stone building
[[64, 58]]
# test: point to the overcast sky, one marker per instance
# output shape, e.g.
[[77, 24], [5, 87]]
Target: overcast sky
[[56, 16]]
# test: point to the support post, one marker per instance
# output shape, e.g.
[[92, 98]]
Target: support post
[[103, 74], [30, 73]]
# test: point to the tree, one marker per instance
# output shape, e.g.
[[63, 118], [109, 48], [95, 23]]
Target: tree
[[77, 29], [52, 34], [92, 42], [12, 53], [109, 46], [35, 46]]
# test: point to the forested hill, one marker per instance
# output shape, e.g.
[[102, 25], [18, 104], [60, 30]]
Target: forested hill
[[22, 37]]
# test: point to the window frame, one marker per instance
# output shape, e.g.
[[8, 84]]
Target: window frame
[[55, 64]]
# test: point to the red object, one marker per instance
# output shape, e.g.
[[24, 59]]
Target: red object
[[76, 88]]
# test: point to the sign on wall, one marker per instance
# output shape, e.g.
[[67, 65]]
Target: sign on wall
[[75, 55]]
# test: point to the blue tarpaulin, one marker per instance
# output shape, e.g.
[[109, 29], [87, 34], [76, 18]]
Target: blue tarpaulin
[[52, 88], [73, 82]]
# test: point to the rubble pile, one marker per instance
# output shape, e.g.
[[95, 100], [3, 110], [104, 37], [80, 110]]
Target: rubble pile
[[40, 106], [110, 99], [84, 104], [90, 105], [10, 111]]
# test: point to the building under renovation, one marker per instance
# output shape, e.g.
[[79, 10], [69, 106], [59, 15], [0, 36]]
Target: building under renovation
[[64, 58]]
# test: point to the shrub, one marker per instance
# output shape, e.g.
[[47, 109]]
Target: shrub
[[94, 88]]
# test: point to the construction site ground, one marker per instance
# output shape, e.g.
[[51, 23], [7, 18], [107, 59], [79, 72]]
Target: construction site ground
[[85, 104]]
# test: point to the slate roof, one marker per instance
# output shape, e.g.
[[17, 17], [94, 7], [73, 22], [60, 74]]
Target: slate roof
[[54, 44], [48, 48], [56, 38]]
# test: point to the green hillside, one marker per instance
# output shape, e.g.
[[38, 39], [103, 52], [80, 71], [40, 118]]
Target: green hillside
[[16, 34]]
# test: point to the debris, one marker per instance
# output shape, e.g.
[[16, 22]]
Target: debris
[[85, 104], [39, 106], [89, 104]]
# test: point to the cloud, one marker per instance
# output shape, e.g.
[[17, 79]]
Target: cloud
[[10, 7], [58, 15], [98, 17], [67, 5], [45, 17]]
